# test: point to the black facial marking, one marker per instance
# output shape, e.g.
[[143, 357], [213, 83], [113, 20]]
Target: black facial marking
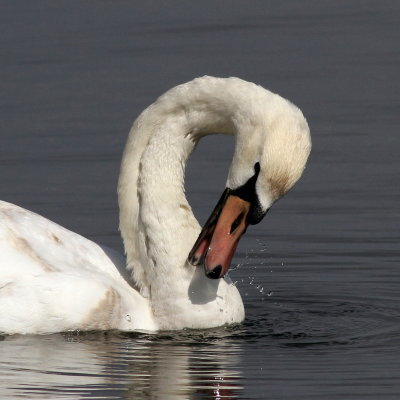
[[248, 193]]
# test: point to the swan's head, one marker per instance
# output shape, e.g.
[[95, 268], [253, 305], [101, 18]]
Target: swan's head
[[270, 156]]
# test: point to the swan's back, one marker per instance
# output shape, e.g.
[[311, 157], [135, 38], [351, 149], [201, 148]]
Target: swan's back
[[52, 279], [33, 245]]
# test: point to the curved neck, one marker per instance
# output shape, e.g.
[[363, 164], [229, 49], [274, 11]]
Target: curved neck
[[156, 221], [166, 221]]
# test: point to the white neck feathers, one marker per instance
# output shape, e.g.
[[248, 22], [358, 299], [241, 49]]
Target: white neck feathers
[[156, 221]]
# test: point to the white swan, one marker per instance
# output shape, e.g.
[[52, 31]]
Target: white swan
[[54, 280]]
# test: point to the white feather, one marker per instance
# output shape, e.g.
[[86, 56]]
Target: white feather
[[53, 280]]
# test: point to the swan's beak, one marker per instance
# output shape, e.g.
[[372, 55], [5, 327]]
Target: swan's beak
[[220, 235]]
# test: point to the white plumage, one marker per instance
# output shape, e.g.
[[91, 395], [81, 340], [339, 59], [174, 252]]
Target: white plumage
[[54, 280]]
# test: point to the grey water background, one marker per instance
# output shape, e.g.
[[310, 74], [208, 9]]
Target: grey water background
[[319, 276]]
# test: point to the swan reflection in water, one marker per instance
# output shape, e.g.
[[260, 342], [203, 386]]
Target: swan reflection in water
[[127, 366]]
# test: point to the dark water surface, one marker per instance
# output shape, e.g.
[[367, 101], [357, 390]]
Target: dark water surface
[[319, 277]]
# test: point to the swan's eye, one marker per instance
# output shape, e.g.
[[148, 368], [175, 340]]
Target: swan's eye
[[248, 193], [236, 223]]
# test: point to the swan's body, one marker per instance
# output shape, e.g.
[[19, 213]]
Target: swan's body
[[53, 280]]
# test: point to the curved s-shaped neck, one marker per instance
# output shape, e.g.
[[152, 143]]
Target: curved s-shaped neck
[[156, 221]]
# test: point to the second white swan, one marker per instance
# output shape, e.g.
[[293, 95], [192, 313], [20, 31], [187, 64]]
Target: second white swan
[[53, 280]]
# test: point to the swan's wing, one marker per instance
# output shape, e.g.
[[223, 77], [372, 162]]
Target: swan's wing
[[52, 279], [32, 245]]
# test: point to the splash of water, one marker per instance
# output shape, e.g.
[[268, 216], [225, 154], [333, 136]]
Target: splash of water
[[253, 260]]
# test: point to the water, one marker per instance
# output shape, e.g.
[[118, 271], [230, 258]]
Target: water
[[319, 277]]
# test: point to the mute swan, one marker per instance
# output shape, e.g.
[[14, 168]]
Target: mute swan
[[54, 280]]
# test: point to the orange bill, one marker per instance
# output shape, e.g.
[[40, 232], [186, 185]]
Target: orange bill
[[220, 235]]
